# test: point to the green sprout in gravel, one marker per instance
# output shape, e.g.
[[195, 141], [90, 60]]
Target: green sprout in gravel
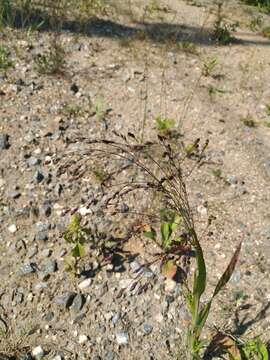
[[5, 61], [76, 235]]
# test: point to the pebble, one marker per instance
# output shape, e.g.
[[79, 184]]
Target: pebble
[[4, 144], [232, 180], [12, 228], [50, 267], [82, 339], [27, 269], [38, 176], [66, 299], [41, 236], [33, 161], [147, 328], [85, 284], [122, 338], [46, 253], [32, 251], [38, 352], [170, 285], [78, 303], [40, 226]]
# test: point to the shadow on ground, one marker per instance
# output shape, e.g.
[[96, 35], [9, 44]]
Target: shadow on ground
[[156, 32]]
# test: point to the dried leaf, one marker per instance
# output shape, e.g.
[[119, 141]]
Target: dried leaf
[[222, 341], [169, 269]]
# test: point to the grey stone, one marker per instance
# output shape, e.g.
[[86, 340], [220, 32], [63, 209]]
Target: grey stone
[[232, 180], [28, 268], [96, 357], [41, 236], [40, 226], [33, 161], [147, 329], [78, 303], [50, 267], [32, 251], [4, 144], [38, 176], [65, 299]]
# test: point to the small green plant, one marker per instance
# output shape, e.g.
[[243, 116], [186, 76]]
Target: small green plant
[[168, 227], [222, 30], [188, 47], [5, 61], [51, 62], [77, 236], [209, 66], [256, 23], [254, 350], [164, 125], [249, 122], [100, 108], [262, 5]]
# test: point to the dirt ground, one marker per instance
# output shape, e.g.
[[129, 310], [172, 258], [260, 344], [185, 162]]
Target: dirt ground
[[121, 73]]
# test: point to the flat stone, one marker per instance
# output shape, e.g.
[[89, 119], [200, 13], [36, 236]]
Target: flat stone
[[65, 299], [27, 269], [85, 284], [78, 303], [122, 338]]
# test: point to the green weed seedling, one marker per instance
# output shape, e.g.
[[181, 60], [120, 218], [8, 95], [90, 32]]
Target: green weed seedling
[[5, 61], [76, 235], [164, 126], [51, 62], [209, 66]]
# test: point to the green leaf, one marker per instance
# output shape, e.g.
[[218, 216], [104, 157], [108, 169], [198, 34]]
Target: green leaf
[[228, 272], [200, 275], [150, 234], [203, 315], [255, 349], [78, 251], [166, 233]]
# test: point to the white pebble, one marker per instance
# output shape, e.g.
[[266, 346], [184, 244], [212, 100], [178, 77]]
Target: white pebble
[[38, 352], [12, 228], [85, 284], [83, 339]]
